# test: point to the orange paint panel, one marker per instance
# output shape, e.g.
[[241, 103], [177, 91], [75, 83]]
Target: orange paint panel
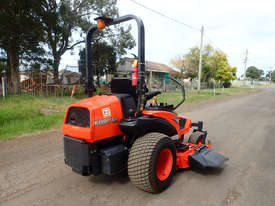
[[182, 157], [171, 118], [164, 115], [187, 125], [105, 114], [77, 132], [111, 128]]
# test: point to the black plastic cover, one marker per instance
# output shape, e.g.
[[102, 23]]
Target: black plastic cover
[[114, 159], [123, 86], [78, 156], [206, 158], [182, 123], [145, 124], [127, 103]]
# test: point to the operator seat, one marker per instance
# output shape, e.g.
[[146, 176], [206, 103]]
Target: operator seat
[[123, 89], [123, 86]]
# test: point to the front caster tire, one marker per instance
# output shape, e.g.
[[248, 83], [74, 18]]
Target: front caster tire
[[197, 138], [152, 162]]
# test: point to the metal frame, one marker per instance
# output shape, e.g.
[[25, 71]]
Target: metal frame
[[141, 56], [183, 91]]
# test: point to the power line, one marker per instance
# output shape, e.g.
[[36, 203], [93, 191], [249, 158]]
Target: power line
[[175, 20], [163, 15]]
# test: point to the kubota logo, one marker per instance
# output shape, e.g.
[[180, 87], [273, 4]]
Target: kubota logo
[[105, 121], [106, 112]]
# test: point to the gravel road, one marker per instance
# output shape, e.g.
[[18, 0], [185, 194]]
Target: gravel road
[[32, 170]]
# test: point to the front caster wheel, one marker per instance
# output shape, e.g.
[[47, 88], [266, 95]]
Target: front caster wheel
[[197, 138]]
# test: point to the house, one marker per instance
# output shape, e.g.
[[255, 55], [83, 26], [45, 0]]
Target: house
[[157, 74], [31, 81], [69, 77]]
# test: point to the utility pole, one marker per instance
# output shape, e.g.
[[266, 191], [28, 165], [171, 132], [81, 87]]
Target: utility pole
[[4, 83], [200, 62], [270, 76], [245, 61]]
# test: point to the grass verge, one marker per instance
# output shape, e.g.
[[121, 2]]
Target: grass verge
[[192, 96], [25, 114]]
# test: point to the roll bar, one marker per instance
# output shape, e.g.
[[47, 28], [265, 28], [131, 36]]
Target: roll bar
[[141, 55]]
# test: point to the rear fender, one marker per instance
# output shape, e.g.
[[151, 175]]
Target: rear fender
[[138, 127], [181, 123]]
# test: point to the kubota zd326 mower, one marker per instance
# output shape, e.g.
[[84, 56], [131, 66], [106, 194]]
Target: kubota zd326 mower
[[113, 132]]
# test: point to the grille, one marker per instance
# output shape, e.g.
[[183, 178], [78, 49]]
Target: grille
[[79, 117]]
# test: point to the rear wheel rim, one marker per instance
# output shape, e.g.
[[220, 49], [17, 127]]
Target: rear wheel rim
[[164, 164]]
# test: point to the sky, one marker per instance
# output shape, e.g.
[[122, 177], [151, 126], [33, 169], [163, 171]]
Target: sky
[[231, 26]]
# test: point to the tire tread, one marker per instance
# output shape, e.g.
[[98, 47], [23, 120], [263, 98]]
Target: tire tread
[[139, 170]]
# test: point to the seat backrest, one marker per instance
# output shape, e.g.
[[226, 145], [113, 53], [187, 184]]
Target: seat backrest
[[123, 86], [127, 103]]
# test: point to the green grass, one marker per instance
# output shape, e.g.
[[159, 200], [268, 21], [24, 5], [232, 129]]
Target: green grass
[[192, 96], [26, 114]]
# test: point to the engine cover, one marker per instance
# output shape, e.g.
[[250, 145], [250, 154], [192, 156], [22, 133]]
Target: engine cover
[[93, 119]]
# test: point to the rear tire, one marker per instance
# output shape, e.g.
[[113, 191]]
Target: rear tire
[[196, 138], [152, 162]]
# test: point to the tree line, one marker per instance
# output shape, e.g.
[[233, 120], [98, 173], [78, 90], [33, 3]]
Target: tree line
[[254, 73], [36, 33], [214, 65]]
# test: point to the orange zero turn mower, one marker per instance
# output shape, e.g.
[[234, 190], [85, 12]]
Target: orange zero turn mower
[[118, 131]]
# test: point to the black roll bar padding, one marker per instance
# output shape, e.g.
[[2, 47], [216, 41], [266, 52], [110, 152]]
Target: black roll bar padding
[[141, 56], [198, 124], [183, 91], [151, 95], [89, 68]]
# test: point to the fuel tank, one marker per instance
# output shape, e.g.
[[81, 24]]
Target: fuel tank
[[93, 119]]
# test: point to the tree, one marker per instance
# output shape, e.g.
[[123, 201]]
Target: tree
[[191, 61], [104, 60], [254, 73], [61, 18], [188, 64], [272, 76], [225, 72], [178, 63], [214, 65], [20, 33], [208, 72], [208, 69]]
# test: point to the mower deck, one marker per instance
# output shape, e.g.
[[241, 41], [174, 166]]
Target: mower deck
[[198, 156]]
